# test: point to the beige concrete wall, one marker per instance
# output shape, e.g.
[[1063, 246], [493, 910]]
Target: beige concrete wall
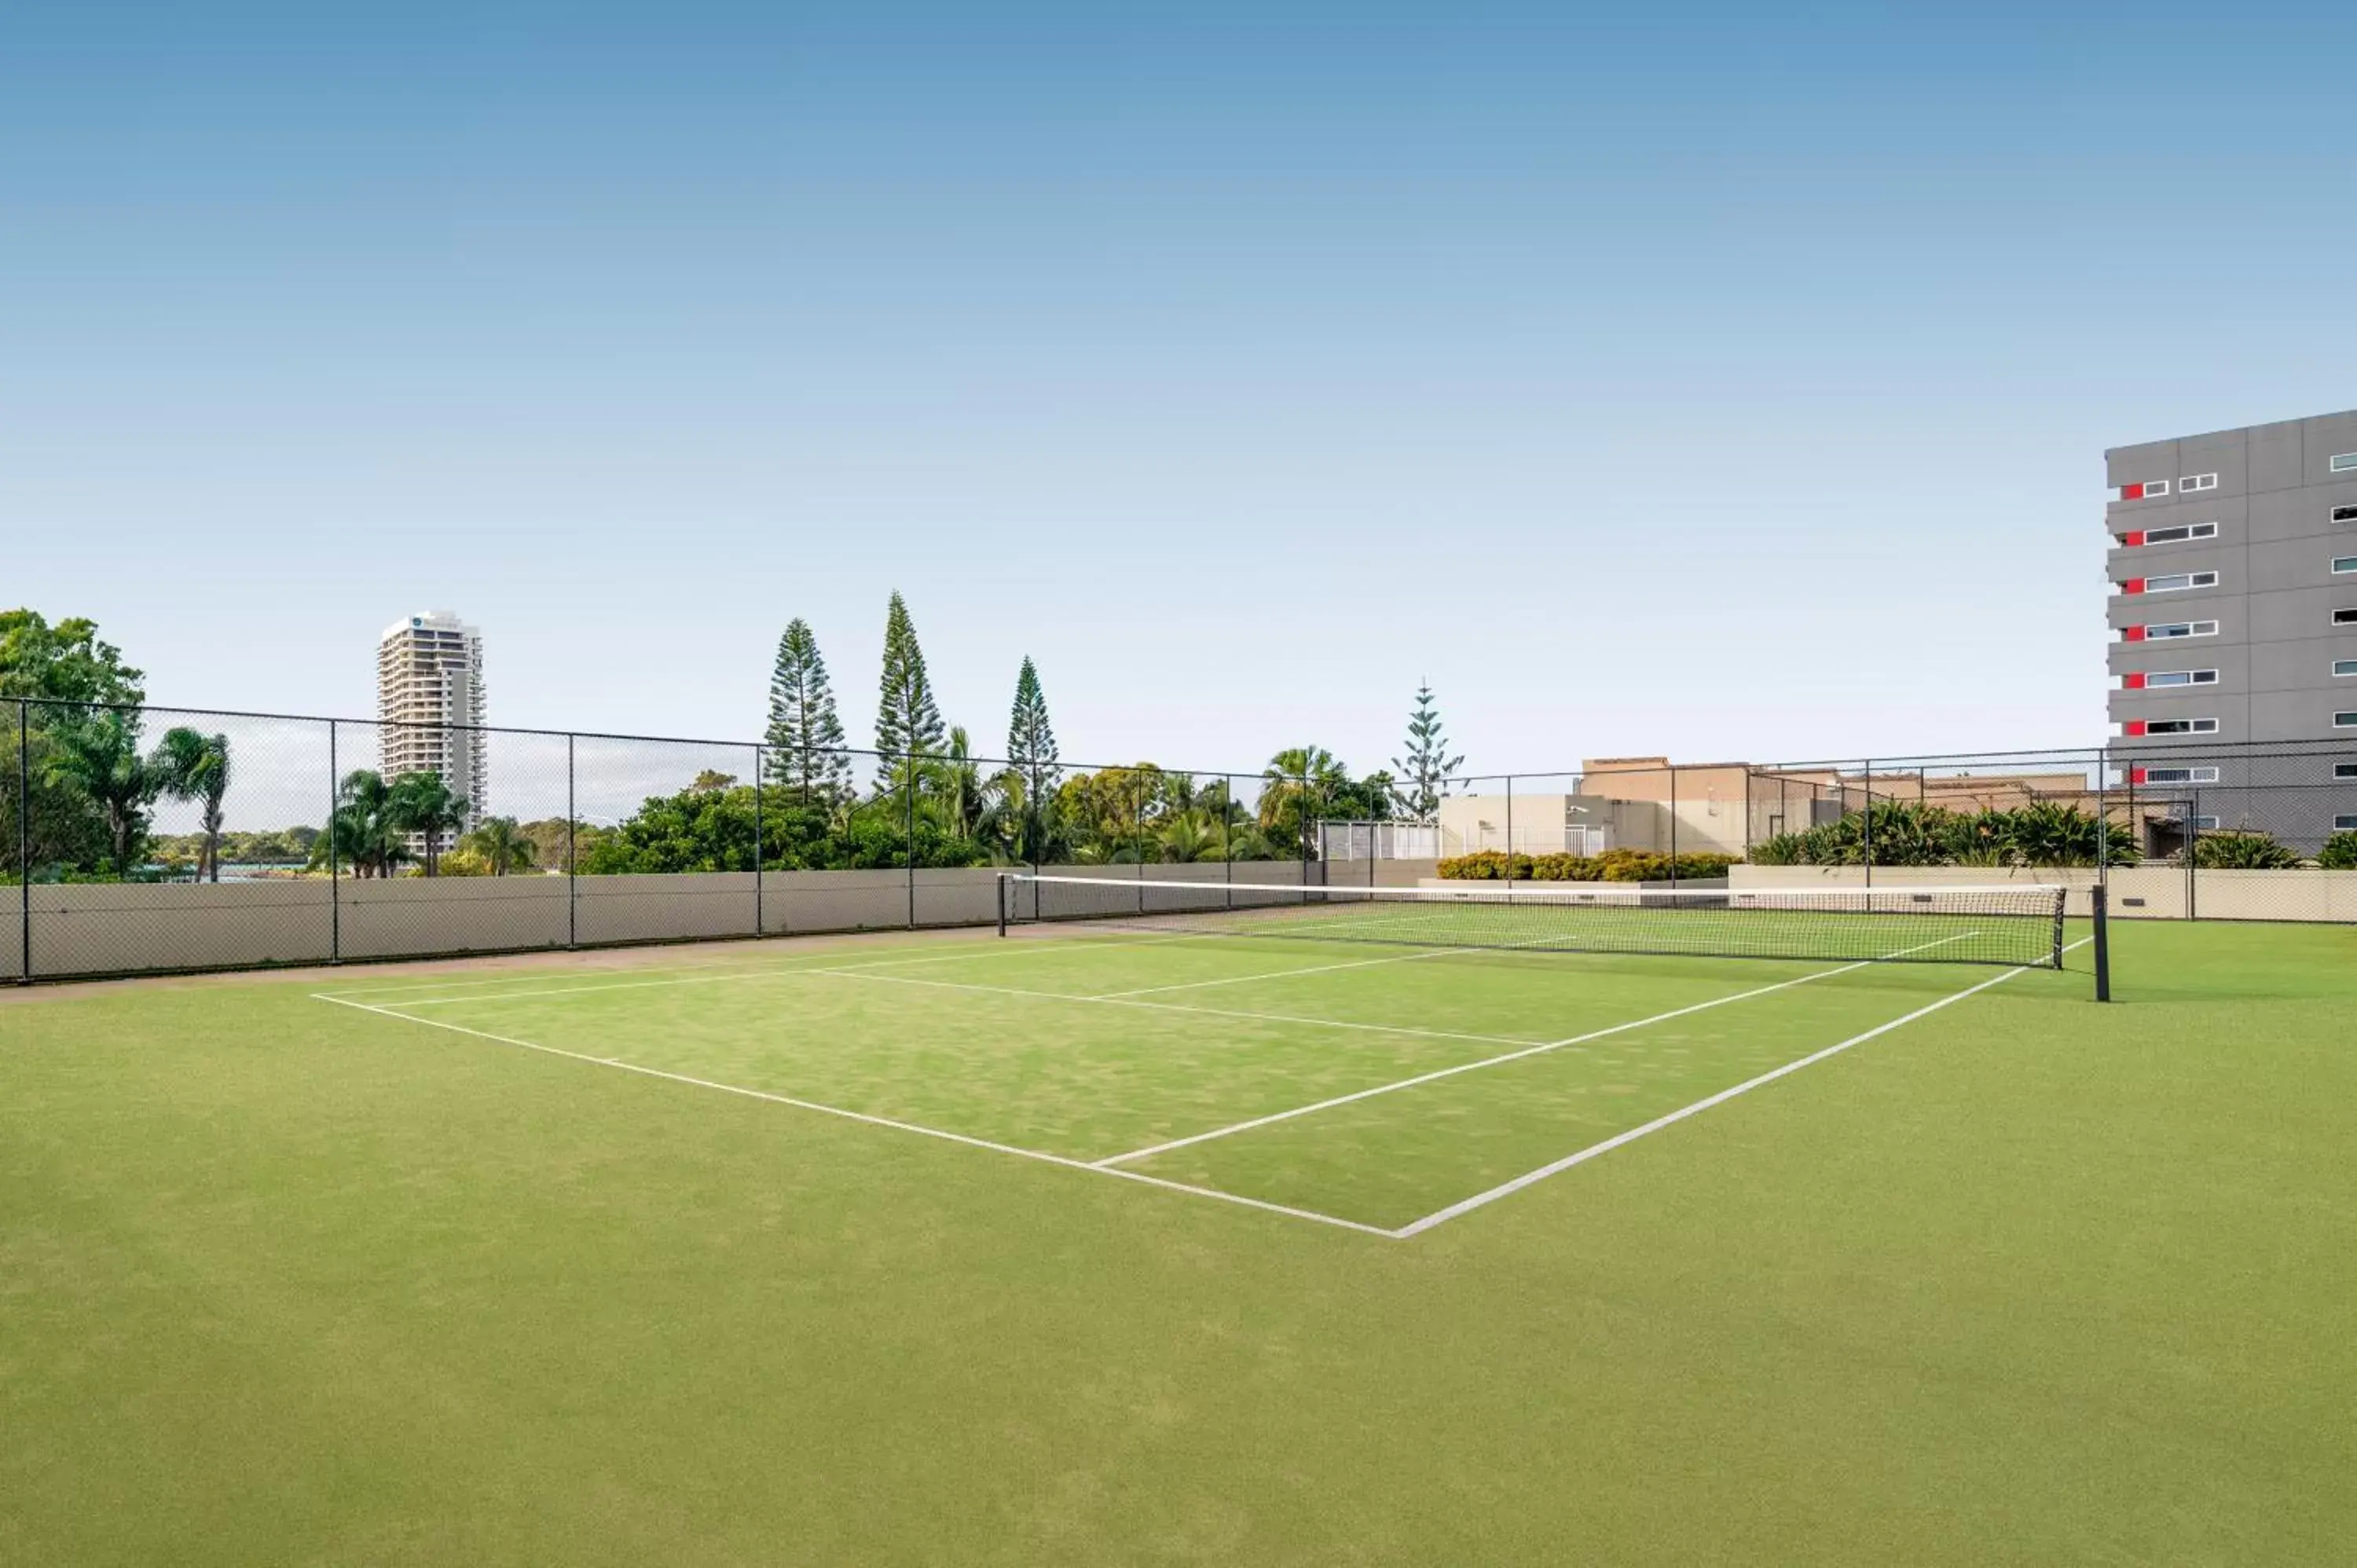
[[108, 929], [2138, 892]]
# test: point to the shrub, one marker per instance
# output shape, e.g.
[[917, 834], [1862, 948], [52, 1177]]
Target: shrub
[[2340, 852], [2243, 849]]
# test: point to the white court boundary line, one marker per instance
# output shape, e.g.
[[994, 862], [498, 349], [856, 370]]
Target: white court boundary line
[[1531, 1178], [1040, 1155]]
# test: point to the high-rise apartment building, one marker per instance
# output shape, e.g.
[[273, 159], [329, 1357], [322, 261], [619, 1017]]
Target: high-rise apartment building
[[2234, 563], [429, 680]]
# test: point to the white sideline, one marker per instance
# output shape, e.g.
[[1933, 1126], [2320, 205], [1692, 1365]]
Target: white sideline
[[1531, 1178], [1538, 1049], [973, 1142]]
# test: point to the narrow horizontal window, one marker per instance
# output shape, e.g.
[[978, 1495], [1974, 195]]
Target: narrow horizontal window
[[2179, 534], [2176, 776], [2178, 678], [2162, 632], [2178, 582], [2344, 514], [2344, 617], [2345, 822], [2181, 726], [2344, 564], [2145, 491], [2344, 667], [2192, 483], [2345, 721], [2205, 825], [2344, 462], [2345, 770]]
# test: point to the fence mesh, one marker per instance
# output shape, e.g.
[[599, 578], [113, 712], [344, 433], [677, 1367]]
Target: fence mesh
[[157, 838]]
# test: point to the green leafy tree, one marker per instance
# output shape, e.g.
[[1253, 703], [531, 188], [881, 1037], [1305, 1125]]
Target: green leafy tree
[[192, 766], [908, 720], [805, 734], [1427, 766], [67, 670], [98, 756], [500, 843]]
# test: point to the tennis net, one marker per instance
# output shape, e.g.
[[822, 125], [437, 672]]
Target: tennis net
[[2007, 925]]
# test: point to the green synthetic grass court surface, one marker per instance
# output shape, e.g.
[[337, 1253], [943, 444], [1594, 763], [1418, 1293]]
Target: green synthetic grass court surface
[[284, 1279]]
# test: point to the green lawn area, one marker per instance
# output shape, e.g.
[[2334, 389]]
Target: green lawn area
[[2024, 1278]]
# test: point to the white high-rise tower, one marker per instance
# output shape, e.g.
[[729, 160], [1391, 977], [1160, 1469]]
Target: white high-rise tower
[[429, 675]]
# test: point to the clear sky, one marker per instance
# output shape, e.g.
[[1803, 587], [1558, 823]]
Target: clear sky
[[1730, 381]]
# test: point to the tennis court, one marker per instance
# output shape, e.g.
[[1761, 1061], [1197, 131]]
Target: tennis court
[[1242, 1044], [1228, 1231]]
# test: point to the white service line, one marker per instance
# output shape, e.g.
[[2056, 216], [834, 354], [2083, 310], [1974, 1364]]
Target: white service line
[[973, 1142], [1277, 973], [1531, 1178], [745, 971], [1171, 1007]]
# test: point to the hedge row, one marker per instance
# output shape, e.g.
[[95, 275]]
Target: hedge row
[[1612, 865]]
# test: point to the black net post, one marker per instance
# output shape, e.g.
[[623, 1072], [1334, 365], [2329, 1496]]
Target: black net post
[[1002, 904], [2103, 944]]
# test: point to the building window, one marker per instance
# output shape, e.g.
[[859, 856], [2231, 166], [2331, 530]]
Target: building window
[[2156, 679], [2173, 583], [2344, 514], [2162, 632], [2205, 825], [2344, 564], [2192, 483], [2139, 537], [2345, 822], [2344, 462], [2344, 667], [2344, 617], [2173, 776], [2152, 488], [2172, 726], [2345, 770], [2345, 721]]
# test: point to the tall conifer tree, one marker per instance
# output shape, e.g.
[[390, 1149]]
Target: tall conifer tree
[[1427, 764], [1030, 738], [805, 734], [908, 720]]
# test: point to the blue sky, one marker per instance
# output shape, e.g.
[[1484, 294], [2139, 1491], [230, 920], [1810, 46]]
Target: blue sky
[[1729, 380]]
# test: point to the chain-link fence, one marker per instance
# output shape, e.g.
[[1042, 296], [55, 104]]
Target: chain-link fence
[[154, 839]]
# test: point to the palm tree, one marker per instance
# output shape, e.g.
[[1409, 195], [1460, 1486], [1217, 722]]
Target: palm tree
[[1192, 836], [500, 841], [421, 803], [101, 757], [192, 766], [1295, 788], [361, 832]]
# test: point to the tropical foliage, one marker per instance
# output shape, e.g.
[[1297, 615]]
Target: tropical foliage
[[2243, 849], [1612, 865], [2340, 852], [1905, 833]]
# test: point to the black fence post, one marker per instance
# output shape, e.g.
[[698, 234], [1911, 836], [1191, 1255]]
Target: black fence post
[[1510, 835], [25, 838], [1002, 904], [2193, 854], [1674, 827], [572, 873], [1228, 837], [759, 930], [909, 767], [335, 869], [1868, 820]]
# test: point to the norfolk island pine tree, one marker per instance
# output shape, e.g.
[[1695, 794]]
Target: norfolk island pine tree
[[805, 734]]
